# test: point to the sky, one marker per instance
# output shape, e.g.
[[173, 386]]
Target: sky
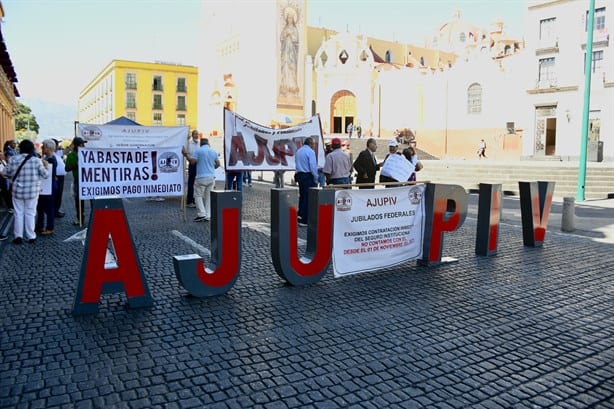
[[57, 47]]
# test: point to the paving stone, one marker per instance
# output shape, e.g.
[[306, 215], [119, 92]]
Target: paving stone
[[526, 327]]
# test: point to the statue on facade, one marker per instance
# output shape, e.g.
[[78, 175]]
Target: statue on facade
[[289, 47]]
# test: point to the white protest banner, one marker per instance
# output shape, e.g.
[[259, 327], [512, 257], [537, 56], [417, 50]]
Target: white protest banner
[[132, 136], [130, 172], [46, 187], [397, 167], [377, 228], [249, 146]]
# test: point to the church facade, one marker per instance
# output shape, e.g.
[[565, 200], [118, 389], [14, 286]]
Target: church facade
[[465, 84]]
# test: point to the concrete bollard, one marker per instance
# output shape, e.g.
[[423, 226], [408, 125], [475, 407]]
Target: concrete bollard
[[569, 212]]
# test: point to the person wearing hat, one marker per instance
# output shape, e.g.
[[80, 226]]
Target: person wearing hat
[[338, 165], [393, 147], [366, 165], [72, 165]]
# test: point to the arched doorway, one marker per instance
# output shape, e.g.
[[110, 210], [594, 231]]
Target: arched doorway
[[342, 111]]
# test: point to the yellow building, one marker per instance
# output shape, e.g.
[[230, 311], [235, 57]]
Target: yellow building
[[152, 94], [8, 91]]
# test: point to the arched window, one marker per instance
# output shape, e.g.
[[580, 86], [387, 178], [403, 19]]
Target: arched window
[[388, 56], [474, 99]]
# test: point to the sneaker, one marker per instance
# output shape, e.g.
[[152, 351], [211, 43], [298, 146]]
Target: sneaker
[[200, 219], [17, 240], [11, 211], [46, 232], [303, 224], [159, 199], [31, 241], [3, 237], [192, 205]]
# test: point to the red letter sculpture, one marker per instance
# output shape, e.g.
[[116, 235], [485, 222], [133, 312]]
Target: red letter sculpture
[[489, 215], [535, 202], [438, 219], [109, 220], [225, 250], [284, 248]]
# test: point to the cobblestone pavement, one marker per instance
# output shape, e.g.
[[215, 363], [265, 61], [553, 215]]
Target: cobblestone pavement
[[531, 327]]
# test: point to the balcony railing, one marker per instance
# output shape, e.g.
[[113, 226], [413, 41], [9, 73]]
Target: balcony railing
[[181, 107], [157, 106], [130, 104], [182, 88], [157, 87], [130, 85]]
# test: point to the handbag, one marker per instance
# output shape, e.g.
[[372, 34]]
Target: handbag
[[19, 170]]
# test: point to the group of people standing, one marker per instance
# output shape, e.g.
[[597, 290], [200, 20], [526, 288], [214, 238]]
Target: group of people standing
[[338, 168], [22, 172]]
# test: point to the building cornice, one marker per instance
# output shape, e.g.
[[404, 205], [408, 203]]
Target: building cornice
[[547, 4], [552, 90]]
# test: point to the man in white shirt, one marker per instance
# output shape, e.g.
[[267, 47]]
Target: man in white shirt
[[60, 173], [192, 145]]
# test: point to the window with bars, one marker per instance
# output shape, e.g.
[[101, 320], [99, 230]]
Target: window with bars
[[596, 61], [130, 80], [599, 22], [130, 99], [547, 75], [157, 119], [474, 99], [181, 87], [547, 29], [157, 83], [181, 103], [181, 120], [157, 101]]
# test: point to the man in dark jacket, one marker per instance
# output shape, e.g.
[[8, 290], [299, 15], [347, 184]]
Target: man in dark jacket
[[366, 165]]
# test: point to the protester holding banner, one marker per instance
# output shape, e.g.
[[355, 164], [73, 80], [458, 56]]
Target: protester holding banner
[[206, 161], [26, 171], [366, 165], [192, 145], [72, 165], [306, 176], [338, 165], [46, 200], [392, 150], [410, 155]]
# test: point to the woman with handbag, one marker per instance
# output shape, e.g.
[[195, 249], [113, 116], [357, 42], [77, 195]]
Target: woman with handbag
[[26, 171]]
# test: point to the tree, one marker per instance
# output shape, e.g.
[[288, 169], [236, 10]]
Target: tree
[[25, 119]]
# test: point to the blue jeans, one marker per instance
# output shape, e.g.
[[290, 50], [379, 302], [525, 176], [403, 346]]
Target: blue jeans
[[305, 182], [232, 177], [340, 181]]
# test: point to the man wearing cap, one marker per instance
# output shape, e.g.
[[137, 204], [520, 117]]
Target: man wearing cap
[[392, 150], [306, 176], [366, 165], [338, 165], [72, 165]]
